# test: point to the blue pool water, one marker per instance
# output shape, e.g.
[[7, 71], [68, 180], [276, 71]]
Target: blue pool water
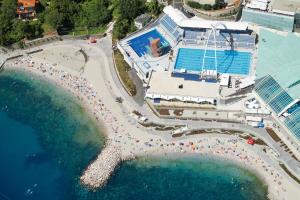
[[141, 44], [229, 61], [47, 140]]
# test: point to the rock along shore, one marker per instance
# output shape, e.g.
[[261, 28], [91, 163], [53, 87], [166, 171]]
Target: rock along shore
[[128, 140], [98, 172]]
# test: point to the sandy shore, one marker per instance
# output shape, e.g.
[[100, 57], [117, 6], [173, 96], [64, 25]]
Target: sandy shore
[[134, 140]]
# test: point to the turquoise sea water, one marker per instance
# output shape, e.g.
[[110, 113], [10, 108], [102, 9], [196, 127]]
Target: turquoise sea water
[[47, 139]]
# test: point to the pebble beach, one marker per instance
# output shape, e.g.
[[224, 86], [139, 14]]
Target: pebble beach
[[127, 139]]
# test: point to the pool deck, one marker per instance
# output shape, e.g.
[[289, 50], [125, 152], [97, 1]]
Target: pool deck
[[141, 43], [167, 61], [154, 63]]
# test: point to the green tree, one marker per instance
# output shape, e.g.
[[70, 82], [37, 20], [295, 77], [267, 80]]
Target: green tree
[[8, 8], [33, 30], [125, 11], [95, 13], [17, 32], [207, 7], [7, 18], [131, 9], [154, 7], [121, 28], [61, 13], [219, 4]]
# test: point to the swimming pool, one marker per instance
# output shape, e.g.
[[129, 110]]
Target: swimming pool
[[229, 61], [141, 44]]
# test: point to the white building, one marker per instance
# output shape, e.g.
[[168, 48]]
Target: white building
[[277, 14], [178, 89], [142, 20]]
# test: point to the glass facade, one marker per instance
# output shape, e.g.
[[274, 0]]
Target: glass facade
[[293, 122], [272, 93], [279, 102], [277, 98], [270, 20]]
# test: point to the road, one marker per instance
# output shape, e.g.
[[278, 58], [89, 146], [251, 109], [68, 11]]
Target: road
[[129, 105], [108, 74]]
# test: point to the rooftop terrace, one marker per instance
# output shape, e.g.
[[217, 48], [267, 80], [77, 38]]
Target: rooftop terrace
[[189, 88], [285, 6]]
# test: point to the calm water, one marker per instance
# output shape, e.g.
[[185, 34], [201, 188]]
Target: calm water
[[47, 140]]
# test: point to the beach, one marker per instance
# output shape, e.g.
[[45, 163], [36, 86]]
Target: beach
[[94, 87]]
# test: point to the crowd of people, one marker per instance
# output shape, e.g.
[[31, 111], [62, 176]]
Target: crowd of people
[[126, 144]]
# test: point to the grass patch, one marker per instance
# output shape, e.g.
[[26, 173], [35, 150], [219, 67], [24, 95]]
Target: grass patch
[[273, 134], [89, 31], [167, 128], [161, 127], [137, 113], [289, 173], [76, 31], [197, 132], [48, 29], [151, 124], [163, 111], [123, 69]]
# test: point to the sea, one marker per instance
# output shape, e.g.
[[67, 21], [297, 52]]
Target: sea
[[47, 139]]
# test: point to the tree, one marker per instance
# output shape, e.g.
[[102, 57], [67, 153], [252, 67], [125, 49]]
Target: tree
[[154, 7], [219, 4], [18, 31], [125, 11], [131, 9], [8, 8], [7, 16], [33, 30], [121, 28], [95, 13], [61, 13], [207, 7]]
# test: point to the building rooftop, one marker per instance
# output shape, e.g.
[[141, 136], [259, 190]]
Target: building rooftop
[[278, 56], [258, 4], [181, 20], [289, 7], [161, 82], [143, 18], [195, 23], [175, 14], [27, 3]]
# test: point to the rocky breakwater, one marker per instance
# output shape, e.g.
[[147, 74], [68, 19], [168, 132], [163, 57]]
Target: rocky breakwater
[[99, 171]]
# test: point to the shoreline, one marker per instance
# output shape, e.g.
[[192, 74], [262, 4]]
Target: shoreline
[[86, 106], [208, 157], [86, 103], [213, 158], [218, 158], [78, 98]]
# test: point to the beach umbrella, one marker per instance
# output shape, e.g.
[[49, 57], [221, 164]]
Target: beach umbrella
[[250, 141]]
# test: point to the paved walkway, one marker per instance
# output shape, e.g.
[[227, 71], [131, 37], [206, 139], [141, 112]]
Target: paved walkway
[[105, 47], [130, 105]]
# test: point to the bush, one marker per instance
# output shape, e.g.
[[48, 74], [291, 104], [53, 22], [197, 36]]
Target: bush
[[219, 4], [121, 28], [207, 7], [194, 4], [123, 69]]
